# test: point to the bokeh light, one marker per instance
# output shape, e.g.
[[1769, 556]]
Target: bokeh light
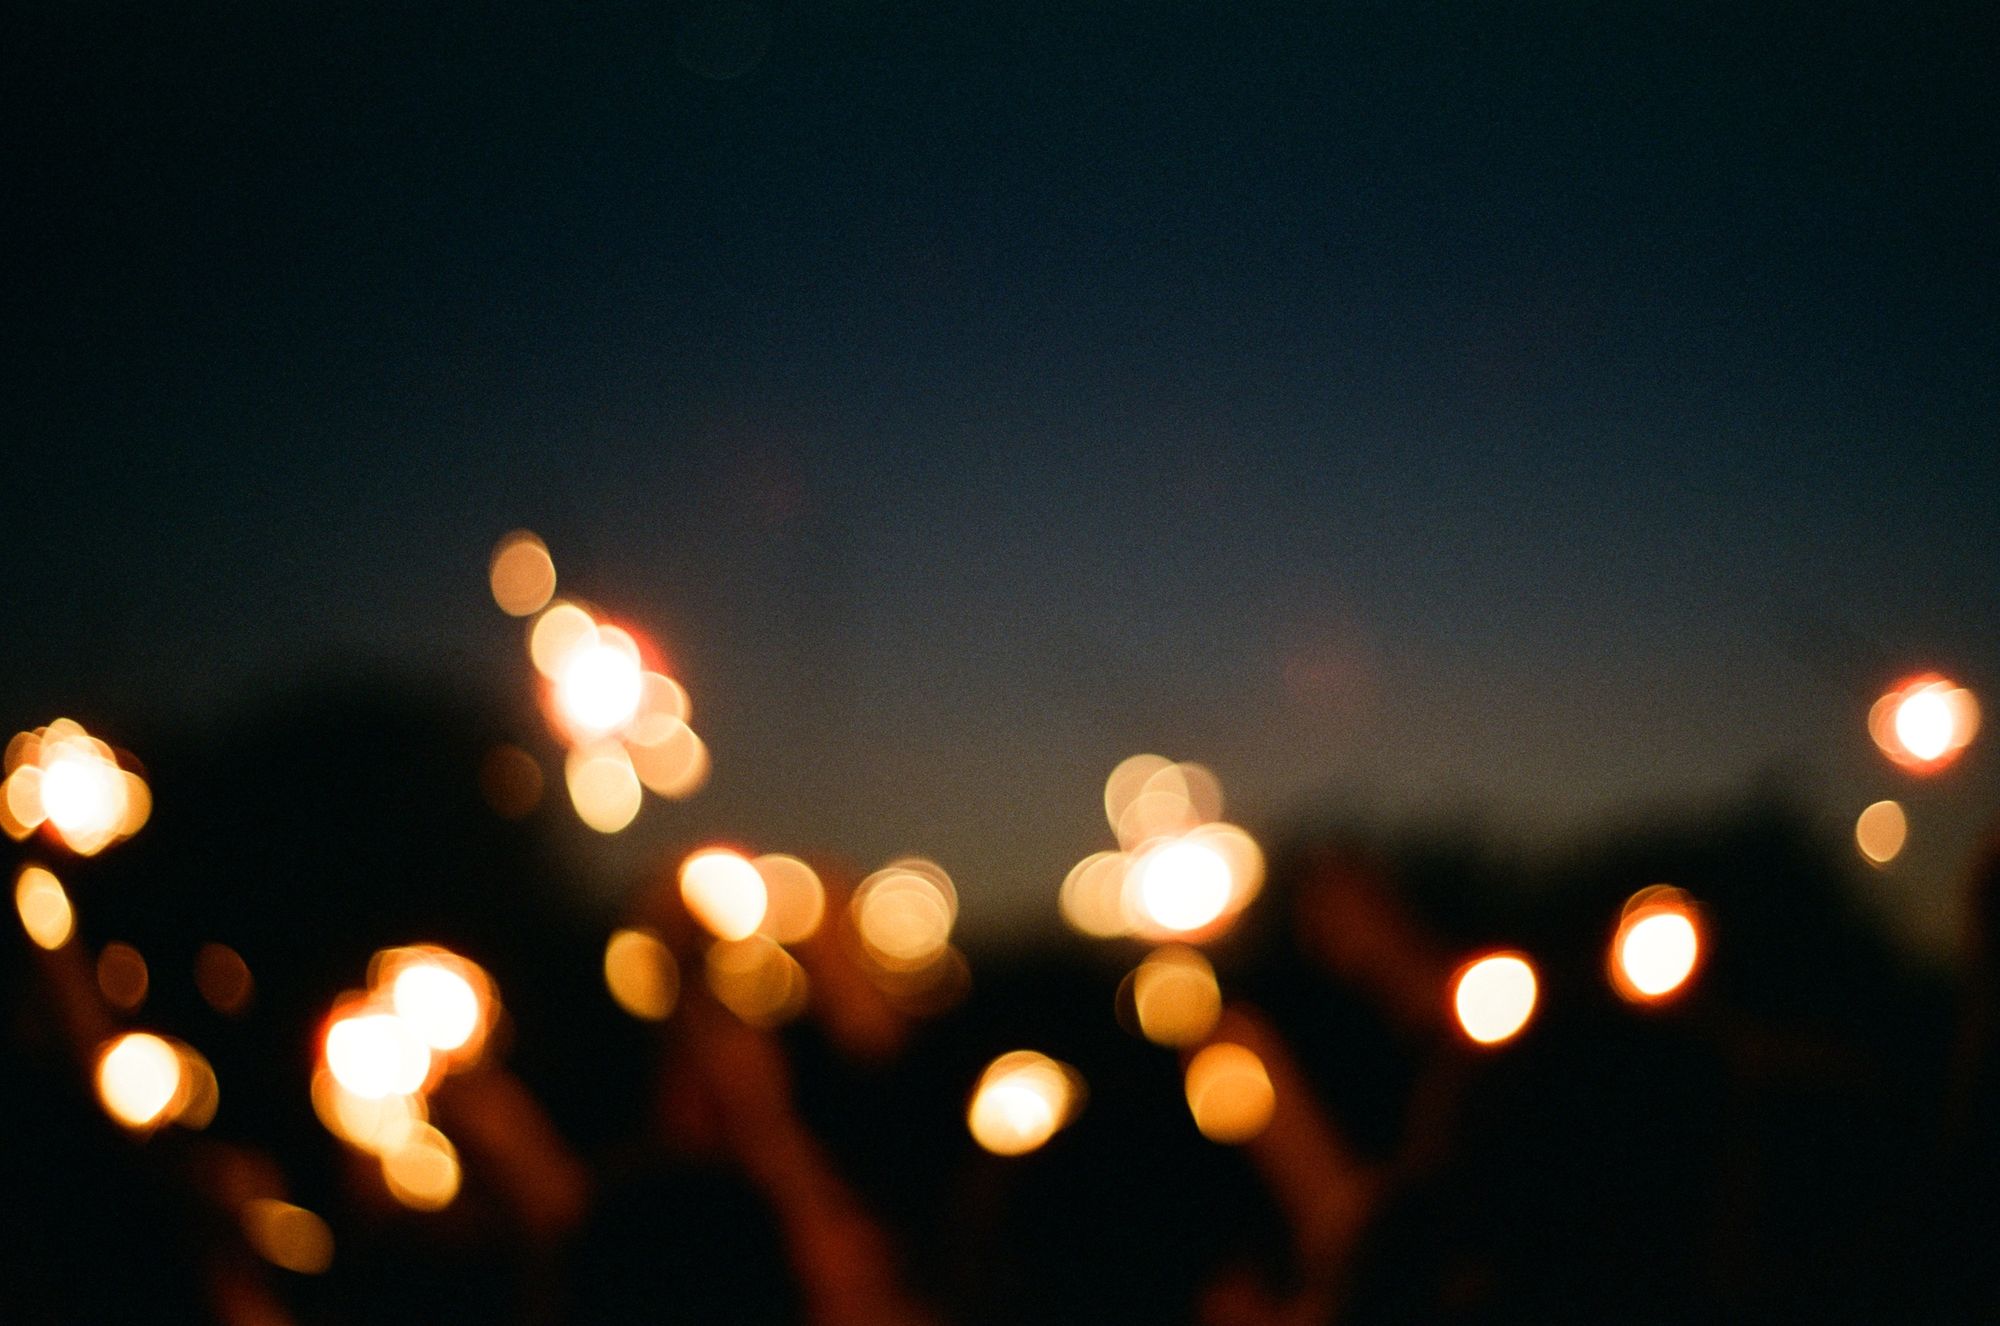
[[904, 914], [511, 781], [796, 899], [1924, 723], [603, 786], [372, 1124], [62, 777], [200, 1095], [1657, 945], [641, 974], [1229, 1093], [1175, 996], [440, 995], [44, 907], [671, 759], [139, 1078], [287, 1236], [599, 683], [223, 979], [756, 979], [724, 892], [1093, 896], [122, 976], [374, 1053], [1181, 886], [556, 634], [1880, 832], [1494, 996], [421, 1168], [1022, 1099], [522, 575]]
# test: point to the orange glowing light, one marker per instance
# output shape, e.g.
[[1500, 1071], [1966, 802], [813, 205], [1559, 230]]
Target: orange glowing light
[[139, 1079], [374, 1053], [122, 976], [796, 898], [521, 574], [1181, 885], [1229, 1093], [1127, 782], [441, 996], [1880, 832], [370, 1124], [641, 974], [200, 1095], [223, 979], [421, 1169], [599, 683], [1494, 996], [603, 786], [1175, 995], [43, 907], [561, 630], [1021, 1101], [724, 892], [757, 980], [289, 1237], [1924, 723], [670, 759], [904, 914], [1657, 945], [63, 777], [1093, 896]]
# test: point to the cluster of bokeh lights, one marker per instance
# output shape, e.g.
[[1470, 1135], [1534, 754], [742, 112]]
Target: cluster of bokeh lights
[[74, 787]]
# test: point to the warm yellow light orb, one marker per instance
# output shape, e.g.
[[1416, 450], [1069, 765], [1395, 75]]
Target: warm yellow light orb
[[1229, 1093], [1175, 995], [1494, 997], [641, 974], [421, 1169], [1182, 885], [439, 1003], [139, 1079], [43, 907], [1657, 952], [1022, 1100], [724, 892], [600, 686], [377, 1054], [1880, 832], [522, 575]]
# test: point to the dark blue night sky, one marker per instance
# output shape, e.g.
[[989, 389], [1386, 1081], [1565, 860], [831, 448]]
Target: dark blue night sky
[[1506, 411]]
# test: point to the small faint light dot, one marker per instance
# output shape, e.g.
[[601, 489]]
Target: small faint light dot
[[138, 1078], [421, 1169], [289, 1237], [1021, 1101], [522, 574], [724, 892], [377, 1054], [511, 781], [44, 907], [1880, 832], [223, 979], [642, 975], [1229, 1093], [122, 976], [1182, 885], [1494, 997]]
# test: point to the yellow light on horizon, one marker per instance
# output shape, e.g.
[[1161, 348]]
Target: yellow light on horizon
[[641, 974], [1657, 945], [521, 574], [1880, 832], [1229, 1093], [724, 892], [1022, 1099], [44, 908], [138, 1079], [1494, 997]]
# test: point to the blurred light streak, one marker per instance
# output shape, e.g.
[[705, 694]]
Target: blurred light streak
[[1880, 832], [138, 1079], [223, 979], [122, 976], [1022, 1099], [1923, 723], [44, 908], [521, 574], [287, 1236], [796, 900], [641, 974], [1494, 996], [1175, 996], [723, 892], [1229, 1093]]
